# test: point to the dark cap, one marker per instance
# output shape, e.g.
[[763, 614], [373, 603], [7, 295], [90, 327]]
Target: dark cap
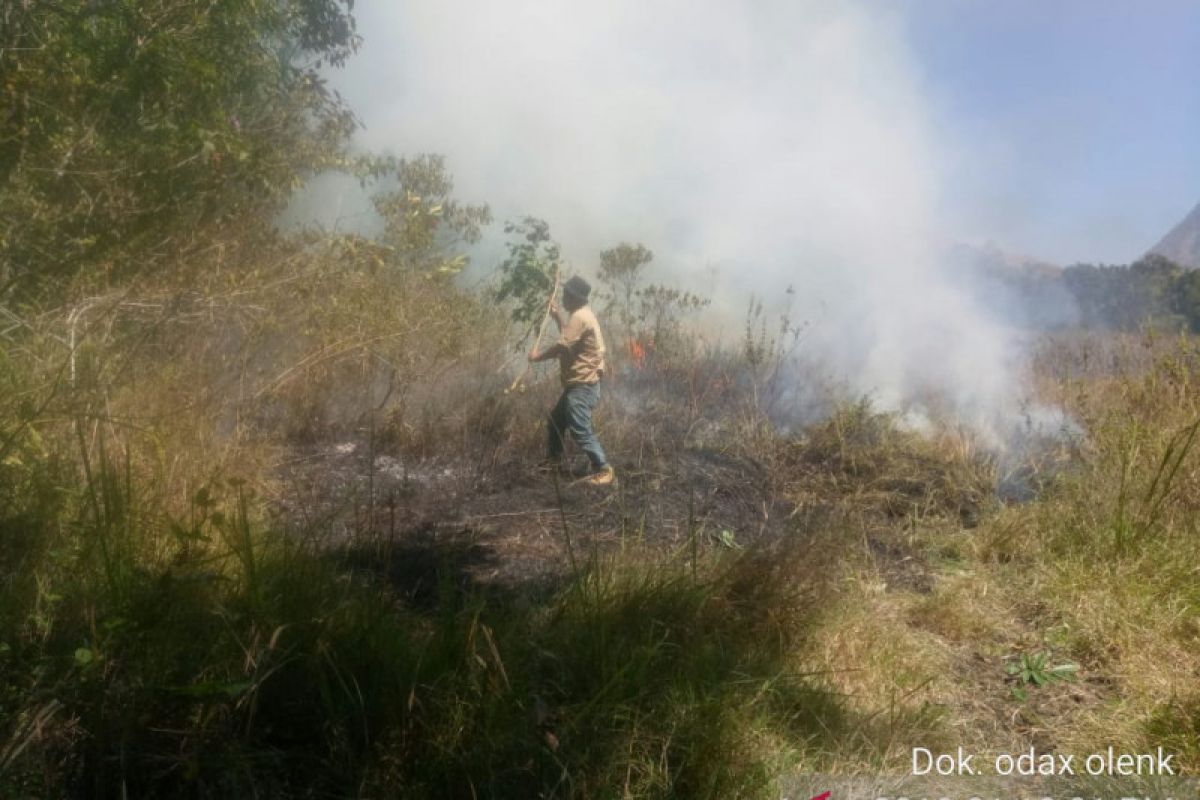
[[577, 287]]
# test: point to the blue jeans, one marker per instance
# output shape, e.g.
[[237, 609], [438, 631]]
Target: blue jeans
[[573, 413]]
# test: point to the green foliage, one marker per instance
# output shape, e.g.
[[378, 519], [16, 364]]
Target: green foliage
[[622, 270], [527, 275], [1128, 297], [163, 633], [653, 313], [660, 313], [659, 322], [1034, 669], [1186, 297], [763, 348], [134, 127], [1152, 292], [207, 656], [422, 220]]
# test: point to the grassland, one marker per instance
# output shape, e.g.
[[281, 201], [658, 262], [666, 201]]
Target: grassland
[[269, 524], [280, 591]]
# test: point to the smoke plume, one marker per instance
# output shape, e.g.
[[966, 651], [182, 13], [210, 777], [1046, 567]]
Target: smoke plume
[[751, 146]]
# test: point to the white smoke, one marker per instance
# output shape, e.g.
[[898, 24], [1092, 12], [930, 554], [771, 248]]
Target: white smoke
[[788, 143]]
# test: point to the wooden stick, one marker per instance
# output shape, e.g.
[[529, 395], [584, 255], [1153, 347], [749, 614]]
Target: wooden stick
[[537, 343]]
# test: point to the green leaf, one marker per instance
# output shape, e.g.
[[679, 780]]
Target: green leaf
[[1064, 671], [229, 689]]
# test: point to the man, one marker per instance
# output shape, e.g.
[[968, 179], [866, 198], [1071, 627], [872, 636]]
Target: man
[[580, 354]]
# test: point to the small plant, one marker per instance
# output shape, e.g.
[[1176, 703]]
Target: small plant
[[1033, 669], [728, 539], [527, 275]]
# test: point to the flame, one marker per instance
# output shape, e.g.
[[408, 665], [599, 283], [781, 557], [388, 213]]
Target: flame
[[637, 353]]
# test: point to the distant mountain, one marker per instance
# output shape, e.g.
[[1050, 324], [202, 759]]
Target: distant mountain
[[1011, 287], [991, 258], [1182, 244]]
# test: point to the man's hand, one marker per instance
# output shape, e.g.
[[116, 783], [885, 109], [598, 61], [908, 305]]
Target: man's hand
[[533, 355]]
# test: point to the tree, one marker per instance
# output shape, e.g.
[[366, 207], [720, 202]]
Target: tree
[[1150, 294], [660, 312], [1187, 298], [1149, 291], [130, 128], [527, 275], [622, 269], [422, 220]]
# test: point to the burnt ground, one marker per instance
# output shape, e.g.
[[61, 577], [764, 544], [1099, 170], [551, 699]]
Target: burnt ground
[[503, 529], [500, 528], [451, 527]]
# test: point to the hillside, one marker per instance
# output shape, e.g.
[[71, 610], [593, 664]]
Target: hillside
[[1182, 244], [277, 518]]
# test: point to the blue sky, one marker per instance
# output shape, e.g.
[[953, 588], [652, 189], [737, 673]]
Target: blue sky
[[1075, 124], [1067, 130]]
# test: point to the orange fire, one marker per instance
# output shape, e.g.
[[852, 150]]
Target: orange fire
[[637, 353]]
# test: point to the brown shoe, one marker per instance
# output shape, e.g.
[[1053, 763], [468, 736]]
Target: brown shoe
[[602, 477]]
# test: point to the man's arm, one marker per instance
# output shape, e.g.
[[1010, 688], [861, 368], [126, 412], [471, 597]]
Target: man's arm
[[554, 350], [551, 352], [571, 332]]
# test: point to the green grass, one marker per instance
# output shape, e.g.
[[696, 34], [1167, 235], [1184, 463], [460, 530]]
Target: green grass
[[154, 643], [210, 657]]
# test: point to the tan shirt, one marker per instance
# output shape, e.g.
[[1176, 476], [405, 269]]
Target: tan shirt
[[583, 361]]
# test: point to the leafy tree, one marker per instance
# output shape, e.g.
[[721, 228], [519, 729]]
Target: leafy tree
[[660, 315], [527, 275], [1187, 298], [1127, 297], [422, 220], [130, 129], [1150, 289], [622, 269]]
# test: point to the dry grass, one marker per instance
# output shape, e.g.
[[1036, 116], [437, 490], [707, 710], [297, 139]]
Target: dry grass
[[829, 596], [1097, 571]]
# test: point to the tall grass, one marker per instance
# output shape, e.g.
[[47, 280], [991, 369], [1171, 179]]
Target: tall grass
[[162, 635], [209, 656], [1100, 568]]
